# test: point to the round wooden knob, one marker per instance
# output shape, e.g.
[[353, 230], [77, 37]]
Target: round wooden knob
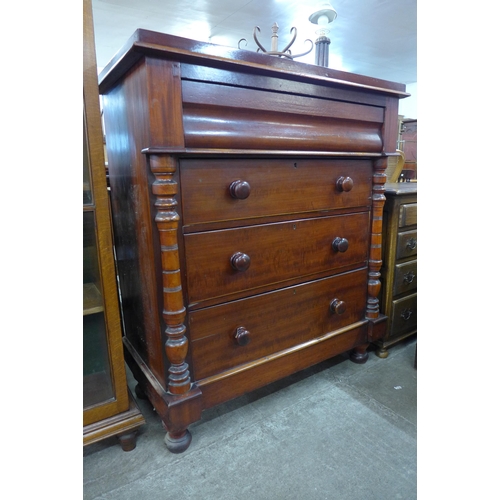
[[239, 189], [340, 244], [337, 306], [345, 184], [242, 336], [240, 261]]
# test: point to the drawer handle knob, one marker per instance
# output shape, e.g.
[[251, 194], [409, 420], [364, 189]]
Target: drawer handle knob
[[242, 336], [340, 244], [345, 184], [239, 189], [409, 277], [240, 261], [406, 313], [411, 244], [337, 306]]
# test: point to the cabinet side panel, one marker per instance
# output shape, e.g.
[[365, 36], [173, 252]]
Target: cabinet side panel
[[165, 103], [126, 115], [390, 128]]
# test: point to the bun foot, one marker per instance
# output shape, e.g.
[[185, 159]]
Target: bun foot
[[178, 444], [358, 357], [140, 393], [127, 441], [382, 352]]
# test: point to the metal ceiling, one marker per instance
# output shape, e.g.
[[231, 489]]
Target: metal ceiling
[[375, 38]]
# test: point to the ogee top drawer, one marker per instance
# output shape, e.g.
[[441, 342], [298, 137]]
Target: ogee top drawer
[[228, 189], [232, 260]]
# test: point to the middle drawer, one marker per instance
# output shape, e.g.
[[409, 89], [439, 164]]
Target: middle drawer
[[219, 263]]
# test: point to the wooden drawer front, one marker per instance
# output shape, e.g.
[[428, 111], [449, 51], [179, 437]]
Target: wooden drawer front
[[277, 252], [405, 277], [404, 315], [407, 244], [274, 321], [232, 117], [275, 187], [408, 215]]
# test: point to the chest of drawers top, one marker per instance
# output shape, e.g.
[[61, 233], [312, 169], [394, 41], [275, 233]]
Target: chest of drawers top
[[193, 95]]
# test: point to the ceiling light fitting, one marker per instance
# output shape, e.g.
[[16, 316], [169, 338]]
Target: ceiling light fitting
[[323, 17]]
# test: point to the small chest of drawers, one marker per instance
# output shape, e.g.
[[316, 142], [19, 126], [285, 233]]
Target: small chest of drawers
[[399, 271], [247, 198]]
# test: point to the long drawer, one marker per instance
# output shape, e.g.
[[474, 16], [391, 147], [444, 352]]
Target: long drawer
[[405, 277], [229, 334], [229, 189], [223, 262]]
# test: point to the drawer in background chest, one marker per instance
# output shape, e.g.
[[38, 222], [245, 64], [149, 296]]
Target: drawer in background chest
[[404, 315], [219, 263], [405, 277], [408, 214], [241, 331], [406, 244], [231, 189]]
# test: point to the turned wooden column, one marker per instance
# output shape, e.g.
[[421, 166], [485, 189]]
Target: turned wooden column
[[165, 188], [359, 354], [174, 312], [375, 260]]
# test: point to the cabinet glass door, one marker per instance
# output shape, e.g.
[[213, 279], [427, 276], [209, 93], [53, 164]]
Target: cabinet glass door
[[107, 408], [100, 396], [97, 382]]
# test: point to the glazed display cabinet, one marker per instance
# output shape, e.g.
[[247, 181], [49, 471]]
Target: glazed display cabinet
[[108, 409]]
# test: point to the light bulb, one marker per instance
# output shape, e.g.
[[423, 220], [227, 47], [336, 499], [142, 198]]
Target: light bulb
[[323, 20]]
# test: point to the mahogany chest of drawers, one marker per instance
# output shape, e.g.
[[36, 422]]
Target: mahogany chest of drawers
[[399, 271], [247, 195]]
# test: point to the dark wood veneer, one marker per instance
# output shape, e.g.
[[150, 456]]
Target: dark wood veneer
[[276, 186], [271, 320], [399, 273], [278, 252], [247, 195]]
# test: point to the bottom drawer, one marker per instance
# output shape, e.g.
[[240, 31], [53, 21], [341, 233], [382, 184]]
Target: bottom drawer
[[404, 315], [274, 321]]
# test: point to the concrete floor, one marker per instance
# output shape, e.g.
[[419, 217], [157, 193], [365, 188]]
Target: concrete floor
[[336, 431]]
